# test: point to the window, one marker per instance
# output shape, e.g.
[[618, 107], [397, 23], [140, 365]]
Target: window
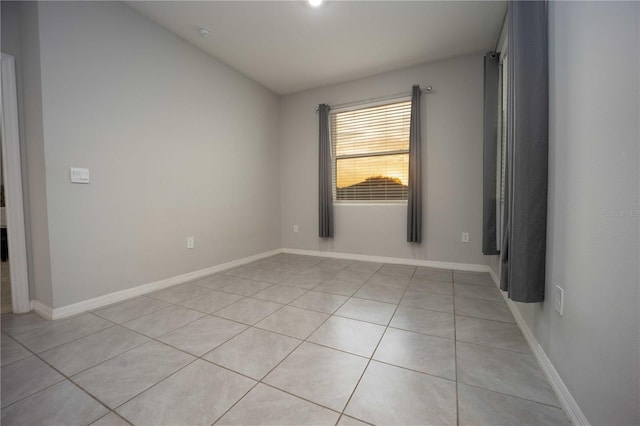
[[371, 152]]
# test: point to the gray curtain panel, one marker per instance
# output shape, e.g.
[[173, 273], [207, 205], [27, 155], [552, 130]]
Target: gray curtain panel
[[490, 151], [524, 247], [325, 186], [414, 204]]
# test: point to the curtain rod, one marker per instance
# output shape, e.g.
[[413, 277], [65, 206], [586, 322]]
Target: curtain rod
[[427, 89]]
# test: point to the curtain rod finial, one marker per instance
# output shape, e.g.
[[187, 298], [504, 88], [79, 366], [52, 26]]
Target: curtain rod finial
[[428, 88]]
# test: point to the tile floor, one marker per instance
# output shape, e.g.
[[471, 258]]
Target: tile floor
[[285, 340]]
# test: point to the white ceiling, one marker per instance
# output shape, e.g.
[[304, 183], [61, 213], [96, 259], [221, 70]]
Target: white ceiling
[[288, 46]]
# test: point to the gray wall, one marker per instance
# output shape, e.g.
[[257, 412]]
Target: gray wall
[[178, 144], [452, 161], [594, 171]]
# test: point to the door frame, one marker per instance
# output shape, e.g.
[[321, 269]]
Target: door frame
[[13, 188]]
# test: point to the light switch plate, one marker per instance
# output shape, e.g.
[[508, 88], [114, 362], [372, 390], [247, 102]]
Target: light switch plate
[[79, 175], [558, 300]]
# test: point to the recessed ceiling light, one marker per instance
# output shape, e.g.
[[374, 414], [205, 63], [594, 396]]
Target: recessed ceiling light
[[204, 32], [315, 3]]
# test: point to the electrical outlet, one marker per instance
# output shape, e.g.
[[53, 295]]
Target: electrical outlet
[[295, 228], [190, 242], [558, 300], [465, 237]]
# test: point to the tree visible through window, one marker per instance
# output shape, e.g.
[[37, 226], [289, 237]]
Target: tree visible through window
[[371, 152]]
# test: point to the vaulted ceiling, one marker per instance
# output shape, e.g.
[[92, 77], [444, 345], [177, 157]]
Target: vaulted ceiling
[[289, 46]]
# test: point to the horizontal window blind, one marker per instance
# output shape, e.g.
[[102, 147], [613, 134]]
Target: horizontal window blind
[[371, 152]]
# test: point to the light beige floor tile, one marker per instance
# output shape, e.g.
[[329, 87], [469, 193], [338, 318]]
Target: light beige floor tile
[[358, 276], [309, 260], [13, 324], [478, 292], [503, 371], [380, 293], [485, 309], [131, 309], [61, 332], [265, 405], [434, 274], [215, 281], [202, 335], [418, 284], [12, 351], [271, 276], [26, 377], [335, 264], [121, 378], [246, 287], [359, 265], [316, 272], [423, 321], [111, 419], [88, 351], [497, 334], [477, 278], [367, 310], [196, 395], [163, 321], [280, 294], [292, 321], [427, 354], [179, 293], [241, 271], [248, 311], [335, 286], [291, 269], [350, 421], [254, 352], [400, 270], [391, 395], [395, 281], [302, 282], [431, 300], [357, 337], [211, 302], [321, 302], [482, 407], [321, 375], [62, 404]]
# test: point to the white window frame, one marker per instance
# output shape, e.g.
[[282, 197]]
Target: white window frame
[[13, 188], [334, 157]]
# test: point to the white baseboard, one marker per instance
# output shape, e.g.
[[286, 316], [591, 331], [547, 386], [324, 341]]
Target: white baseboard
[[568, 403], [42, 309], [118, 296], [471, 267]]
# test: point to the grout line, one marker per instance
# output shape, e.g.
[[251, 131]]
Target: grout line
[[115, 414], [513, 396], [376, 348], [96, 312], [113, 324], [276, 366]]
